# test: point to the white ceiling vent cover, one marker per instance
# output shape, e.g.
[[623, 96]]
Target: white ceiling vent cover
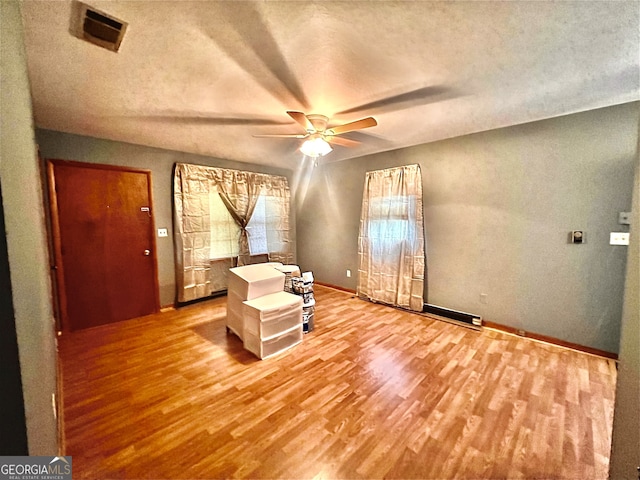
[[97, 27]]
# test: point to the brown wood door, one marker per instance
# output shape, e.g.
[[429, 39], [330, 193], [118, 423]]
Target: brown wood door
[[104, 243]]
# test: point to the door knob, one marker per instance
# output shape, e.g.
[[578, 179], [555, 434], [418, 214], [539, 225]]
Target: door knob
[[147, 253]]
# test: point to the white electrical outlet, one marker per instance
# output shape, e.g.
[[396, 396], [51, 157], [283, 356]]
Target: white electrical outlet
[[348, 273], [619, 238], [484, 298], [162, 232]]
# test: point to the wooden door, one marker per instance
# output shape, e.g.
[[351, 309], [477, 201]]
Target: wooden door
[[104, 242]]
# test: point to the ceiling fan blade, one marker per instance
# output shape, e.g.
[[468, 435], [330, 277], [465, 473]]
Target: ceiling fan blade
[[245, 24], [302, 119], [349, 127], [284, 135], [343, 142], [369, 139], [205, 119], [419, 96]]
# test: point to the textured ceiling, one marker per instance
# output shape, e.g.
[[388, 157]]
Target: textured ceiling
[[205, 76]]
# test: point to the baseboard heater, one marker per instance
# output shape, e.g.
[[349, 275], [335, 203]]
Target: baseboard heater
[[463, 318]]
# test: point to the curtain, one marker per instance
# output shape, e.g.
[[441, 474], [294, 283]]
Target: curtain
[[391, 239], [194, 211], [225, 232], [269, 228], [191, 231], [239, 192]]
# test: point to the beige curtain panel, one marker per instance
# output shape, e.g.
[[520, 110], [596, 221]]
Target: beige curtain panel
[[391, 240], [239, 191]]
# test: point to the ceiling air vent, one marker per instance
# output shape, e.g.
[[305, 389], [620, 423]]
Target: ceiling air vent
[[97, 27]]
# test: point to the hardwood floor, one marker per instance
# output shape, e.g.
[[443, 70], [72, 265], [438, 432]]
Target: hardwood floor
[[372, 392]]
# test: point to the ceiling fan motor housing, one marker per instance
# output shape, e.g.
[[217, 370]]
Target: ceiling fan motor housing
[[319, 122]]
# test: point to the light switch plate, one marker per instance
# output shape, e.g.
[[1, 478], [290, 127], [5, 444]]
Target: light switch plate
[[162, 232], [624, 218], [619, 238]]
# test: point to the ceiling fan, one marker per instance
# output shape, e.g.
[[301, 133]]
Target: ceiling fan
[[319, 137]]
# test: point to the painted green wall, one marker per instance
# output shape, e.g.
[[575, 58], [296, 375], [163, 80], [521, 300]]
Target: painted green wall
[[625, 449], [486, 192], [26, 238], [57, 145], [499, 206], [498, 209]]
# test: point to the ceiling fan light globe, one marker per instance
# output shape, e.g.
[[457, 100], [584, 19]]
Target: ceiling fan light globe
[[315, 147]]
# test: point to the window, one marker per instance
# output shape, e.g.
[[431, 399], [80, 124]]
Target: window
[[210, 204], [265, 227], [224, 230], [391, 238], [391, 225]]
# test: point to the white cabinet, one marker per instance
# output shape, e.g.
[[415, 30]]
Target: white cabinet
[[260, 312], [246, 283], [272, 323], [271, 315], [263, 348]]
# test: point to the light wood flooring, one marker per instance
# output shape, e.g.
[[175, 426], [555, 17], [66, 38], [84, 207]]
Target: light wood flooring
[[372, 392]]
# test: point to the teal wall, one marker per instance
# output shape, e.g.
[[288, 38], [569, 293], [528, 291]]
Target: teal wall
[[625, 449], [57, 145], [22, 200], [498, 209]]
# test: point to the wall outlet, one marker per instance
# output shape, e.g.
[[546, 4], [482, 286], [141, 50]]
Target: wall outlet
[[162, 232], [348, 273], [619, 238], [484, 298]]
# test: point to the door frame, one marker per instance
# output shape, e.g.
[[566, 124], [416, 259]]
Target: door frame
[[56, 241]]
